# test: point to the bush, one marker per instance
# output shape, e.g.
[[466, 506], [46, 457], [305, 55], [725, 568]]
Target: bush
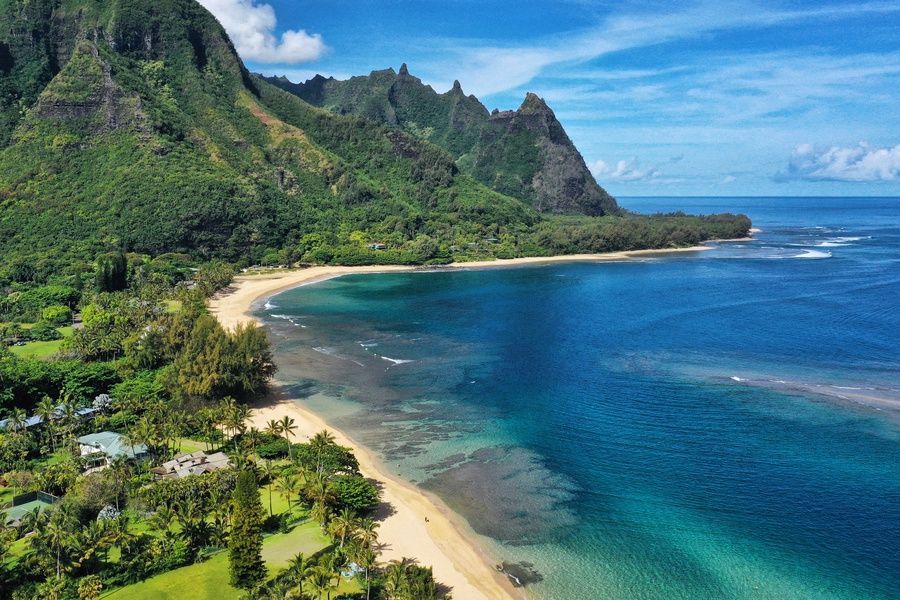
[[277, 448], [57, 314], [44, 332], [356, 493]]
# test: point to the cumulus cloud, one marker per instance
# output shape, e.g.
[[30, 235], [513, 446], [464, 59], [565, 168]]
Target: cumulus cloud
[[623, 171], [251, 27], [858, 163]]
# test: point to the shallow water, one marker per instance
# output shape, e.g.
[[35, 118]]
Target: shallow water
[[721, 424]]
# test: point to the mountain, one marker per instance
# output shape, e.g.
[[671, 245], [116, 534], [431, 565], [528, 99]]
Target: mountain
[[134, 124], [523, 153]]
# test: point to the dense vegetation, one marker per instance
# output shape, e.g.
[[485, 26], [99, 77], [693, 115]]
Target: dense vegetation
[[159, 370], [133, 126]]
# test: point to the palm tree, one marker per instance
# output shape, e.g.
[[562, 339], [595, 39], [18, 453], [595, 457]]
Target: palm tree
[[286, 485], [46, 410], [366, 558], [120, 471], [321, 492], [297, 567], [319, 442], [366, 532], [321, 580], [287, 427], [252, 439], [273, 428], [162, 519], [342, 525], [91, 539], [235, 417], [395, 578], [117, 532], [16, 421], [269, 471], [58, 533]]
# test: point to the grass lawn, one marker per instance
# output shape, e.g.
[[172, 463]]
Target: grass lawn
[[40, 349], [187, 446], [209, 580]]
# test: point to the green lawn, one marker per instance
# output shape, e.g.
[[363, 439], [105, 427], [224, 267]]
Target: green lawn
[[209, 580], [40, 349]]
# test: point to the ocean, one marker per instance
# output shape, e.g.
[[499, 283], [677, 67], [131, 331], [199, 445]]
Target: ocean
[[706, 425]]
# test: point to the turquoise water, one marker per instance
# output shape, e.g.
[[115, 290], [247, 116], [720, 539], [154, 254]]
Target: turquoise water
[[721, 424]]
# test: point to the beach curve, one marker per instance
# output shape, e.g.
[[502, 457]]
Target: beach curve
[[418, 525]]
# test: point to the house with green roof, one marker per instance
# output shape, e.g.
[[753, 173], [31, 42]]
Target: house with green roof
[[99, 450]]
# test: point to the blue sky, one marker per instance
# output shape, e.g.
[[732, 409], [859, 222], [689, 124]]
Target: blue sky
[[662, 98]]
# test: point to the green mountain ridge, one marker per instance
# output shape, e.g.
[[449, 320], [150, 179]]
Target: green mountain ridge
[[133, 125], [129, 123], [524, 153]]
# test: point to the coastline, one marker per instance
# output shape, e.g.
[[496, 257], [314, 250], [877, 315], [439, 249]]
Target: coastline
[[232, 305], [414, 524]]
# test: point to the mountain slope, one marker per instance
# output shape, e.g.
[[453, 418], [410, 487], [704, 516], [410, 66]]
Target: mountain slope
[[131, 123], [524, 153]]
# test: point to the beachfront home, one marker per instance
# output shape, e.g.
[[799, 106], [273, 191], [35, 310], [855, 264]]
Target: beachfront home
[[377, 246], [194, 463], [99, 450]]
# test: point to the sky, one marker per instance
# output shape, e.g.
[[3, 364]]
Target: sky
[[719, 98]]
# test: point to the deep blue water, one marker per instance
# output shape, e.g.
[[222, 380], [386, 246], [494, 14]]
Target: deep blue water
[[719, 424]]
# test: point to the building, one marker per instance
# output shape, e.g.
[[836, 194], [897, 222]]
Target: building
[[86, 412], [99, 450], [194, 463]]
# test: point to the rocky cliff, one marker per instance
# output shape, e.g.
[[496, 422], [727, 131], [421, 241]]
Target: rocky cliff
[[523, 153]]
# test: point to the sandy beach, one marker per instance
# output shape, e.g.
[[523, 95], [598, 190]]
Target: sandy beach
[[414, 524]]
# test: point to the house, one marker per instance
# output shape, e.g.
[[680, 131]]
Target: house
[[194, 463], [99, 450], [87, 413], [377, 246]]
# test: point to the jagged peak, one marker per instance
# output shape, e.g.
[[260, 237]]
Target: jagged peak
[[457, 86], [404, 70], [388, 71], [534, 104]]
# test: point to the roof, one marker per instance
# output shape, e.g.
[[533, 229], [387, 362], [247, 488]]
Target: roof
[[112, 443], [86, 411], [194, 463]]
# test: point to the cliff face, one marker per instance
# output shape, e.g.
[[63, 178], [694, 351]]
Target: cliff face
[[523, 153]]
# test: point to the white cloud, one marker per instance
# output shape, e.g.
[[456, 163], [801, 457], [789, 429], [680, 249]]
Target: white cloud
[[492, 69], [251, 27], [859, 163], [624, 171]]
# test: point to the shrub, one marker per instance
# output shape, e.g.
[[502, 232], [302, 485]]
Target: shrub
[[277, 448], [57, 314], [44, 332]]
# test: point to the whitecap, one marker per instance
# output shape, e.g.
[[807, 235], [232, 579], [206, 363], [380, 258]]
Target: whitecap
[[327, 351], [269, 306], [738, 379], [397, 361], [814, 254]]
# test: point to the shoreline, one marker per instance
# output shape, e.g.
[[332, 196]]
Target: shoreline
[[414, 524], [233, 305]]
